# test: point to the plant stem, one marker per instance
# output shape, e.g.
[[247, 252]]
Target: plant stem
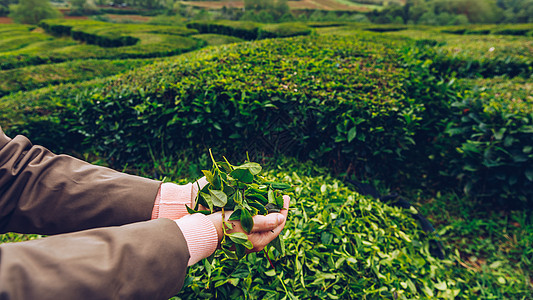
[[268, 257]]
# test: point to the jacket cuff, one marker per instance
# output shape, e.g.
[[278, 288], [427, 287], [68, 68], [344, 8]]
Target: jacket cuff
[[171, 200], [200, 234]]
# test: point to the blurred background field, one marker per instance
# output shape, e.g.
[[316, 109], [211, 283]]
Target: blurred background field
[[321, 93]]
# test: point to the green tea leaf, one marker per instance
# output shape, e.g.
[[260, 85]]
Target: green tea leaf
[[261, 210], [278, 245], [230, 254], [258, 197], [247, 222], [279, 185], [218, 198], [271, 197], [243, 175], [238, 237], [208, 176], [192, 211], [254, 168], [279, 200], [240, 251], [351, 134], [236, 215], [238, 197]]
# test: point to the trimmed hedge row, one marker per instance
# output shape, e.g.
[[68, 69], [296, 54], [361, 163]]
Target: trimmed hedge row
[[474, 56], [349, 102], [33, 77], [155, 41], [104, 34], [250, 30], [275, 96], [510, 29], [282, 30]]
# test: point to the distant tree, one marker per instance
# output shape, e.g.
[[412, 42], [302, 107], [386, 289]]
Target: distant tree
[[33, 11], [428, 18], [360, 18], [459, 20], [83, 6], [4, 6]]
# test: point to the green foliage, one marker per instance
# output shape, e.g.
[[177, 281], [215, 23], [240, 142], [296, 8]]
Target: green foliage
[[33, 77], [493, 124], [32, 11], [340, 245], [294, 79], [250, 30], [242, 190], [105, 34], [154, 41], [476, 55], [217, 39], [440, 12], [243, 30], [266, 11], [348, 102], [282, 30], [379, 104]]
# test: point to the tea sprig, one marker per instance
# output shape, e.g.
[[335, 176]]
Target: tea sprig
[[242, 190]]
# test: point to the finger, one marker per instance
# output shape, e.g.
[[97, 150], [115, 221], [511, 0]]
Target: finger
[[261, 239], [286, 203], [268, 222]]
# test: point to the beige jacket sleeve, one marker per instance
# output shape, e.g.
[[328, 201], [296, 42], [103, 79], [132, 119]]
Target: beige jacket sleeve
[[104, 248]]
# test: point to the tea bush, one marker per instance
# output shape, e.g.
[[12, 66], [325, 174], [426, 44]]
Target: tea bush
[[341, 245], [477, 55], [278, 96], [349, 102], [243, 30], [508, 29], [282, 30], [493, 122], [153, 41], [250, 30], [217, 39], [32, 77]]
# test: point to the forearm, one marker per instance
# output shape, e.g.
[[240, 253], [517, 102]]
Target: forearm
[[41, 192], [145, 260]]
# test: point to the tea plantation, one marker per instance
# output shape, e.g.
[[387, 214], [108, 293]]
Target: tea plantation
[[442, 117]]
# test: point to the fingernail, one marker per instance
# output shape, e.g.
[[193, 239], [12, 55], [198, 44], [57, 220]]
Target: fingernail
[[281, 218]]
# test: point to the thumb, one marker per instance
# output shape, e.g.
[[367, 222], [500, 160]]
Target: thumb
[[268, 222]]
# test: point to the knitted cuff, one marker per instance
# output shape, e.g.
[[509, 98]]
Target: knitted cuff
[[171, 200], [201, 236]]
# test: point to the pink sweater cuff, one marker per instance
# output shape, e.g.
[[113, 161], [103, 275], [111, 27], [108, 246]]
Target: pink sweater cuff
[[171, 200], [200, 234]]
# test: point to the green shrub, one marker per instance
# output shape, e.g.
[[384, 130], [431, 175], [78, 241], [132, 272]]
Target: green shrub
[[385, 28], [339, 245], [243, 30], [282, 30], [33, 77], [351, 103], [154, 41], [493, 126], [107, 35], [477, 55], [217, 39]]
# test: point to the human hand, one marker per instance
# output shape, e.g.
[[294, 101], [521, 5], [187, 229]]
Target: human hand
[[265, 229]]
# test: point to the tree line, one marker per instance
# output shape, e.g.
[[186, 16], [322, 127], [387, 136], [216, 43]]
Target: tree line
[[425, 12], [455, 12]]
